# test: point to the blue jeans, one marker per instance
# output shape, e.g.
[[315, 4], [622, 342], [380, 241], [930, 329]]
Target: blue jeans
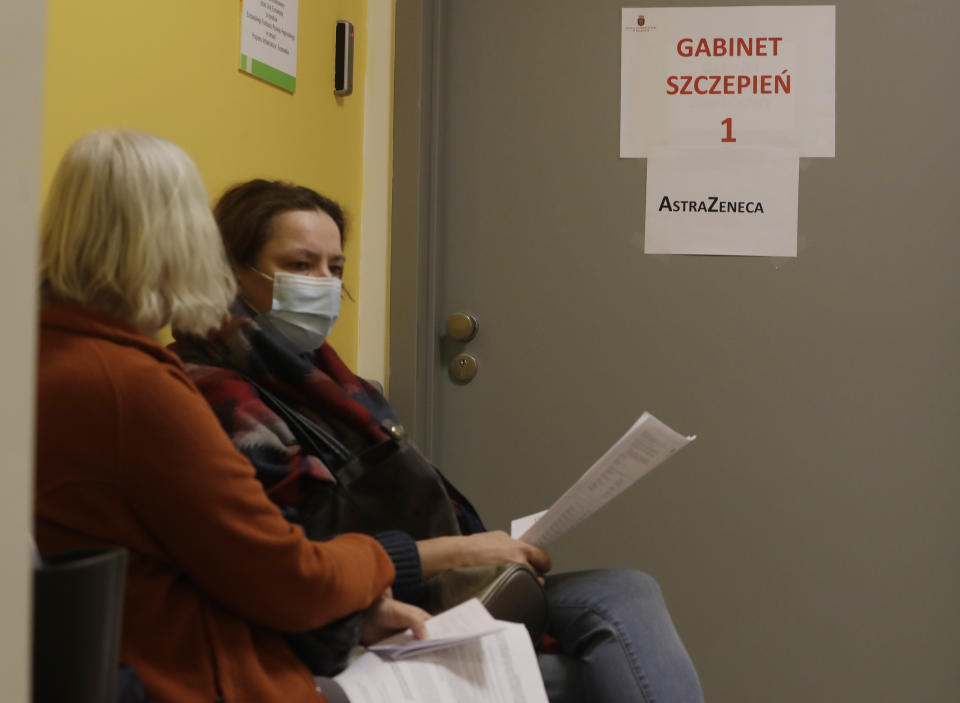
[[617, 642]]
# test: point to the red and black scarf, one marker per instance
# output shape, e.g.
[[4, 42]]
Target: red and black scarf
[[228, 366]]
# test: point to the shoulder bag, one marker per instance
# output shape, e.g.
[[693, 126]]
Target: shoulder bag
[[392, 486]]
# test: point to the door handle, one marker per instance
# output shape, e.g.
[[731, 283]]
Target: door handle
[[462, 326]]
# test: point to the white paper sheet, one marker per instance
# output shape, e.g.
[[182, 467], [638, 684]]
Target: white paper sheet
[[739, 201], [796, 51], [642, 448], [500, 667], [467, 621], [522, 524]]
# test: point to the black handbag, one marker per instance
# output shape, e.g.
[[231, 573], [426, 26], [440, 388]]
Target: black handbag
[[392, 486]]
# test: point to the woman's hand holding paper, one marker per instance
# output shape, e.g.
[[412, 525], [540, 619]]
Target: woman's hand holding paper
[[442, 553]]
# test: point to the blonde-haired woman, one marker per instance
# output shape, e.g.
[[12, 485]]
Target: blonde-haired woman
[[129, 453]]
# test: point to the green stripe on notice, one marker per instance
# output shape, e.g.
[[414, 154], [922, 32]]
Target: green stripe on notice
[[243, 62], [272, 75]]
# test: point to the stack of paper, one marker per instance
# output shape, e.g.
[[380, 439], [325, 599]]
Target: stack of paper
[[468, 657], [468, 621]]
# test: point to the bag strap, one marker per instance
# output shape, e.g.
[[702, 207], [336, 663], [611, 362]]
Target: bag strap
[[308, 429], [320, 442]]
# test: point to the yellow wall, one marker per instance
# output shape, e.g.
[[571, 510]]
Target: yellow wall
[[172, 68]]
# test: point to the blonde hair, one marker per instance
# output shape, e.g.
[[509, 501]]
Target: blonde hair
[[127, 228]]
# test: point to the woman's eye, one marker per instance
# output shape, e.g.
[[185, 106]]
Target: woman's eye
[[299, 266], [337, 271]]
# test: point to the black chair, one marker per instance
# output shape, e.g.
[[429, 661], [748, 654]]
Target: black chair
[[77, 616]]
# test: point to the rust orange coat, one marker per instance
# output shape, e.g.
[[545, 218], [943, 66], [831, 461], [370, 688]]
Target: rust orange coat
[[129, 453]]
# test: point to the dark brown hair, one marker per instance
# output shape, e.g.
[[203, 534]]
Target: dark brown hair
[[245, 212]]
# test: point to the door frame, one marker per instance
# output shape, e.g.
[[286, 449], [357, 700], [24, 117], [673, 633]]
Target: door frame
[[414, 236]]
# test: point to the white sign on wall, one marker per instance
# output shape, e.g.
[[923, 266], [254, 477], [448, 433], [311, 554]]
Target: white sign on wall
[[268, 41], [705, 76], [733, 200]]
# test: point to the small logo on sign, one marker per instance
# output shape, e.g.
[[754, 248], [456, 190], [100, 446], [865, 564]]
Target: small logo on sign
[[640, 27]]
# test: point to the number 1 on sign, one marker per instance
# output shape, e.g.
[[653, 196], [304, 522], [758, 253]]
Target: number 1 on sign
[[729, 125]]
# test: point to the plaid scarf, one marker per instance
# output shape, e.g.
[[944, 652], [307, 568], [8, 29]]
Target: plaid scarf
[[319, 386], [225, 365]]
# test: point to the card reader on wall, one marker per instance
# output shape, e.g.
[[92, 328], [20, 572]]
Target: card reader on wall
[[343, 72]]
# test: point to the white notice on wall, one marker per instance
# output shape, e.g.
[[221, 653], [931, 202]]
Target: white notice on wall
[[704, 76], [731, 200], [268, 41]]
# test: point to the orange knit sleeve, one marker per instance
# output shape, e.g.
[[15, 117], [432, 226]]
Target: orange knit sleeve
[[200, 500]]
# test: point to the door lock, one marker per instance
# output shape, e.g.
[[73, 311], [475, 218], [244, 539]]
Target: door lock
[[463, 368]]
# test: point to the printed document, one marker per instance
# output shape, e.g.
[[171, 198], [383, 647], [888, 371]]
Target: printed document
[[467, 621], [644, 446], [474, 664]]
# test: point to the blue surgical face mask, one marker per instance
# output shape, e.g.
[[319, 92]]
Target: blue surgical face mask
[[304, 308]]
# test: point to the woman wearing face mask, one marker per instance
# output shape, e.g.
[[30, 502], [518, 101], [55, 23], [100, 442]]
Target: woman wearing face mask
[[612, 638]]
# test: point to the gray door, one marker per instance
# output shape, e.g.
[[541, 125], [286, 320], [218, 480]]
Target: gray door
[[807, 542]]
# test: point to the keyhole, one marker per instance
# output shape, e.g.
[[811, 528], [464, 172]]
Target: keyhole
[[463, 368]]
